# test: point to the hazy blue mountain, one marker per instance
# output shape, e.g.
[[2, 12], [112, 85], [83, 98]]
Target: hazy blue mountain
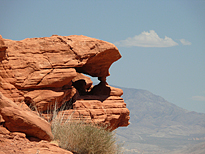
[[158, 126]]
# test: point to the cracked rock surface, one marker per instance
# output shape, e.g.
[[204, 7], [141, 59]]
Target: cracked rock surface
[[43, 71]]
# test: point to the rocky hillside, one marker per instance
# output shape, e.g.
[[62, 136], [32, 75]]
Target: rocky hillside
[[44, 73], [158, 126]]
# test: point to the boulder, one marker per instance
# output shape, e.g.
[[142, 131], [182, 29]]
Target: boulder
[[19, 120], [16, 142]]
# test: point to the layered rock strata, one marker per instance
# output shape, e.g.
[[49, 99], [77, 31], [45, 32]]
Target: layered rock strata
[[47, 72]]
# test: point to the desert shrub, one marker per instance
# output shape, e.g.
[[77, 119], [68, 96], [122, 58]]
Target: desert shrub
[[81, 137]]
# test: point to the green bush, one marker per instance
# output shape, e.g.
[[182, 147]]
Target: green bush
[[84, 138]]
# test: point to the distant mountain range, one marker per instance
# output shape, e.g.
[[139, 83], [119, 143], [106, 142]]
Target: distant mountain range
[[160, 127]]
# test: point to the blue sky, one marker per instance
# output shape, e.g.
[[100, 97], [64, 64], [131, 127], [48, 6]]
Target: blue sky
[[162, 42]]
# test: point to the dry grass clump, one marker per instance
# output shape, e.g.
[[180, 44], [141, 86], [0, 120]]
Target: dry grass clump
[[79, 136], [84, 138]]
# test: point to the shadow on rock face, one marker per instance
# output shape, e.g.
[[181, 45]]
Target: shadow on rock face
[[2, 55], [80, 86], [101, 89]]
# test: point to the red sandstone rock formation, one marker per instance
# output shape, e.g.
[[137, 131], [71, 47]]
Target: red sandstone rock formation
[[17, 143], [16, 119], [42, 72]]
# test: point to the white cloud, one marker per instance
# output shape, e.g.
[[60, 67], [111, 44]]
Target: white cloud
[[147, 39], [198, 98], [185, 42]]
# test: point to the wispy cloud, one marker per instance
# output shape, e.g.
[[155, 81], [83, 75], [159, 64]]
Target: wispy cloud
[[198, 98], [147, 39], [185, 42]]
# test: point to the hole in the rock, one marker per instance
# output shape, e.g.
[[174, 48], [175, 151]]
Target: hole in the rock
[[98, 87], [80, 85], [94, 79], [84, 85]]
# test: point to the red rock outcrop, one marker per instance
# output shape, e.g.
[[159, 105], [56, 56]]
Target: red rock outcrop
[[108, 111], [18, 120], [17, 143], [46, 73], [42, 72]]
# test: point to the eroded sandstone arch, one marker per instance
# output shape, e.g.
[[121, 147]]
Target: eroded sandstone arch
[[43, 70]]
